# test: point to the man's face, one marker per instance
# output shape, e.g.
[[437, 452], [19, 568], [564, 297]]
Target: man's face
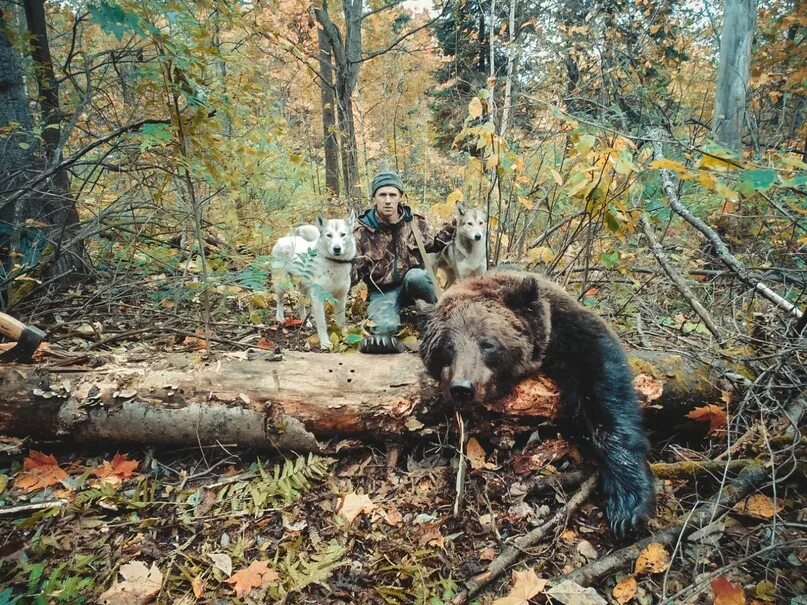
[[386, 200]]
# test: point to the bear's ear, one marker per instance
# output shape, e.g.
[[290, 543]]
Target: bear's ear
[[520, 292], [424, 308]]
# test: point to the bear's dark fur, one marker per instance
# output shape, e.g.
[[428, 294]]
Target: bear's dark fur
[[488, 333]]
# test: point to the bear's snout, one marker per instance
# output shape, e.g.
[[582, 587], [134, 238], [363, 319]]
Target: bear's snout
[[462, 390]]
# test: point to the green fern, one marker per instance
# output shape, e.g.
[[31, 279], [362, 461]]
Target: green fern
[[287, 482], [316, 569]]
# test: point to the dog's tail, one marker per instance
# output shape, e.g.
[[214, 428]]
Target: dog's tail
[[309, 233]]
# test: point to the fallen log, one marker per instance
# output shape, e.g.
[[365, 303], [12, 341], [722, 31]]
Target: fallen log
[[294, 404]]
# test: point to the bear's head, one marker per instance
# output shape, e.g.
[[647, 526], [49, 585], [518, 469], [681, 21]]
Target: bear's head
[[485, 334]]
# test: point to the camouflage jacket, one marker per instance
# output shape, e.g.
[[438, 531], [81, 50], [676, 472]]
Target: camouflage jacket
[[384, 253]]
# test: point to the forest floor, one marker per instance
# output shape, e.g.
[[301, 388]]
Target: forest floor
[[374, 524]]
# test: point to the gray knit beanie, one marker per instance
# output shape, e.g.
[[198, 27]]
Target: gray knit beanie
[[385, 178]]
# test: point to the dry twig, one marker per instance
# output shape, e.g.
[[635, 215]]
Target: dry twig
[[514, 551]]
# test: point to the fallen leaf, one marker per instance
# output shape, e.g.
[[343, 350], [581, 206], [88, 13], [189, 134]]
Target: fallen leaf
[[265, 343], [571, 593], [251, 577], [727, 593], [354, 504], [586, 548], [39, 471], [196, 342], [758, 506], [292, 322], [653, 559], [430, 536], [487, 554], [476, 455], [624, 590], [198, 587], [120, 467], [393, 516], [526, 584], [222, 561], [714, 415], [140, 585]]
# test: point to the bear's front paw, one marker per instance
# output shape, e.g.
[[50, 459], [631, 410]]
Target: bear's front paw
[[629, 503]]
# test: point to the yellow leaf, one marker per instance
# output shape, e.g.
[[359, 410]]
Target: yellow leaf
[[712, 162], [354, 504], [759, 506], [556, 176], [475, 108], [543, 254], [454, 197], [526, 584], [625, 590], [653, 559], [525, 201], [493, 161], [666, 164], [707, 180]]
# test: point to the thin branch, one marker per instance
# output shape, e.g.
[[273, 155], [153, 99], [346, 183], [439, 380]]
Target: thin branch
[[747, 481], [678, 280], [406, 35], [515, 551], [717, 242]]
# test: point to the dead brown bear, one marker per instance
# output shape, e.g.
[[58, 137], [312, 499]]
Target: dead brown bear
[[488, 333]]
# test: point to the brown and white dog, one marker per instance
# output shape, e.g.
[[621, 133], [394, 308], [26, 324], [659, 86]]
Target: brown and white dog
[[465, 256]]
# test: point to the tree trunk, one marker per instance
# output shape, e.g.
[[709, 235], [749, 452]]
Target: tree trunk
[[17, 162], [58, 206], [739, 20], [347, 59], [326, 88], [293, 404]]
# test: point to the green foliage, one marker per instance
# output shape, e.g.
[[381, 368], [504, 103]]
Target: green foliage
[[302, 570]]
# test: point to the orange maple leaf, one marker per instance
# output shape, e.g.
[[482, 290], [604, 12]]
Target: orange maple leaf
[[292, 322], [196, 342], [727, 593], [39, 471], [120, 466], [714, 415], [251, 577], [265, 343]]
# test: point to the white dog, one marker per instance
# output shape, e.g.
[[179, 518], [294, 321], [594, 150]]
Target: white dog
[[465, 255], [323, 264]]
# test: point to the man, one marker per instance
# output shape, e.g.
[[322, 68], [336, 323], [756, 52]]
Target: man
[[390, 263]]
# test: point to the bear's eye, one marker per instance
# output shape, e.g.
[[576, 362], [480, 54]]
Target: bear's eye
[[488, 346], [445, 354]]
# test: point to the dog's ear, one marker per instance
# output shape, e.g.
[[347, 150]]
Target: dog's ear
[[460, 209], [351, 219], [320, 221]]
